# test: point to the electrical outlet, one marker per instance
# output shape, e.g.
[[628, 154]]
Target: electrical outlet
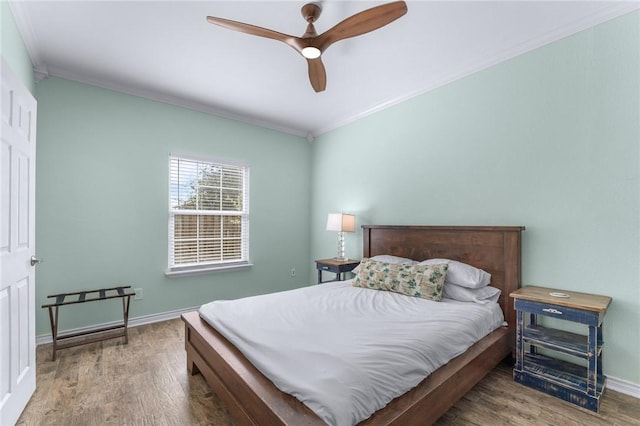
[[293, 272], [138, 295]]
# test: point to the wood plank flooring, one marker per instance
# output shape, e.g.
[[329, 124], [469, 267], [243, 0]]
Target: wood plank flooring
[[146, 383]]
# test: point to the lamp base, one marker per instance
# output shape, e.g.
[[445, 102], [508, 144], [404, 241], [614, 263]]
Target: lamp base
[[340, 255]]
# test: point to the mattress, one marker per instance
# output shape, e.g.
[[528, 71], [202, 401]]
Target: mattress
[[346, 351]]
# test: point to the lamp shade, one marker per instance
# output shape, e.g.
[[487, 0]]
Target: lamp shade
[[341, 222]]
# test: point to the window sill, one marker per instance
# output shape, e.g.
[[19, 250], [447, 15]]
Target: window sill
[[206, 270]]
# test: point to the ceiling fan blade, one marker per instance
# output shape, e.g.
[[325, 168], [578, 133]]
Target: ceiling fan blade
[[362, 23], [255, 30], [317, 74]]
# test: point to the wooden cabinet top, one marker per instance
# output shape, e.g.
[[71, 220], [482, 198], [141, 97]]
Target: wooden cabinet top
[[337, 262], [572, 299]]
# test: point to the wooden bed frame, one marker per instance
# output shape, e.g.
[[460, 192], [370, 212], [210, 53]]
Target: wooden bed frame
[[253, 400]]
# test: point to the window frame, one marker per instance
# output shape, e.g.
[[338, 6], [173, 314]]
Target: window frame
[[209, 266]]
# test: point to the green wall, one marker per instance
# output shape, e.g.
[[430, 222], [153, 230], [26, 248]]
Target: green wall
[[13, 49], [102, 201], [549, 140]]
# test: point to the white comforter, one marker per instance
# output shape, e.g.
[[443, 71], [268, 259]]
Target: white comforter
[[346, 351]]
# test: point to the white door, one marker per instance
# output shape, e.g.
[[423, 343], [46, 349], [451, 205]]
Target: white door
[[17, 246]]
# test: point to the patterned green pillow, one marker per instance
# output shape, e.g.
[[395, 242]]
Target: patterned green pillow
[[425, 281]]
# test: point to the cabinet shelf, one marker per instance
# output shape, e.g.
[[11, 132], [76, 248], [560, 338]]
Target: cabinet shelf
[[561, 372], [559, 340]]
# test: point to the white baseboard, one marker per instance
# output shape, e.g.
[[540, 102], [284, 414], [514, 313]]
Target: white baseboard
[[613, 383], [623, 386], [133, 322]]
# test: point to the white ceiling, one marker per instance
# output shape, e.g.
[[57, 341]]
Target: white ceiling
[[166, 50]]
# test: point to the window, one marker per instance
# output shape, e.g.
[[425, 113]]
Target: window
[[208, 215]]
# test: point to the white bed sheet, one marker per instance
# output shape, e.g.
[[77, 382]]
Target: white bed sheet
[[346, 351]]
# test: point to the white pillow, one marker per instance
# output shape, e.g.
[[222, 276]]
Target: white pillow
[[462, 274], [387, 258], [478, 295]]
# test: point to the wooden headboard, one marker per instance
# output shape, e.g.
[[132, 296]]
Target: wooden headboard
[[496, 249]]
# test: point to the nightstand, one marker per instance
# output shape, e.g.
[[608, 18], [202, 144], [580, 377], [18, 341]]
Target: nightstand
[[338, 267], [571, 381]]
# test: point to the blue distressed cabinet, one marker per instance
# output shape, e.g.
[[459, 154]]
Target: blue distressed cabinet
[[579, 382]]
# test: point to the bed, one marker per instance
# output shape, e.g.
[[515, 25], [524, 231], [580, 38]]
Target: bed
[[252, 399]]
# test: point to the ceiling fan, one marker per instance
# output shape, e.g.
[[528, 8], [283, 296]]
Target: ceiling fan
[[311, 45]]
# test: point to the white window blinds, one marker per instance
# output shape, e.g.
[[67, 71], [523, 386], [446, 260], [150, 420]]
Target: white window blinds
[[208, 214]]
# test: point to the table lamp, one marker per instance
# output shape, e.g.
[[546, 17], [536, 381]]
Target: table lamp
[[341, 223]]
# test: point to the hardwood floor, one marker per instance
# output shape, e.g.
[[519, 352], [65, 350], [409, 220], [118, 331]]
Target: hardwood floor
[[146, 383]]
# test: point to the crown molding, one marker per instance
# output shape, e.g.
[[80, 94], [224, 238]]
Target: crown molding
[[29, 37], [621, 8], [42, 70], [159, 96]]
